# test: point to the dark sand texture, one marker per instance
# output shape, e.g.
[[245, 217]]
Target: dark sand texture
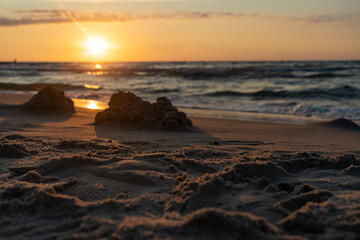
[[62, 177]]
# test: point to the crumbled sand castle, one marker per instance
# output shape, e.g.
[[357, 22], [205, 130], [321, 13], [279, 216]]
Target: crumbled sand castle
[[50, 99], [130, 110]]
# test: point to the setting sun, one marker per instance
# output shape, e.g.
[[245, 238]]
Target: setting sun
[[97, 46]]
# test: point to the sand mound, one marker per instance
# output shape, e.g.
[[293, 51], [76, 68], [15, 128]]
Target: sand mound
[[17, 146], [293, 203], [34, 177], [207, 223], [343, 123], [311, 218], [295, 163], [32, 197], [193, 193], [129, 110], [13, 150], [50, 99]]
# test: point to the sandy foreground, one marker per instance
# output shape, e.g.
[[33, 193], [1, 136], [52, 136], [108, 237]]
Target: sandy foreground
[[61, 177]]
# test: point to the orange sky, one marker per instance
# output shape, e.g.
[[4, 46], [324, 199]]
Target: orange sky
[[250, 37]]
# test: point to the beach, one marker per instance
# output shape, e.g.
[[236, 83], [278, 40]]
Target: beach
[[63, 177], [179, 119]]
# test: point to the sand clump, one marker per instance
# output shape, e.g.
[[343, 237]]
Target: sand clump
[[311, 218], [207, 223], [343, 123], [50, 99], [293, 203], [13, 150], [127, 109], [18, 146]]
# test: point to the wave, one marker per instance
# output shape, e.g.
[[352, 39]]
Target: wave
[[327, 75], [191, 71], [243, 72], [161, 91], [339, 92]]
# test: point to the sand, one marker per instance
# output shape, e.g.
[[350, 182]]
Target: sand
[[127, 109], [63, 177]]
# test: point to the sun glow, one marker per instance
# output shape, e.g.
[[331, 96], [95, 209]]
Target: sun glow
[[92, 105], [89, 104], [97, 46]]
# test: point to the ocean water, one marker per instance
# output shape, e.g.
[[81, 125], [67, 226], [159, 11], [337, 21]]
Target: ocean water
[[321, 89]]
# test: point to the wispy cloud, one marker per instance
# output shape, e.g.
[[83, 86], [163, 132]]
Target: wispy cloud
[[327, 18], [49, 16], [43, 16]]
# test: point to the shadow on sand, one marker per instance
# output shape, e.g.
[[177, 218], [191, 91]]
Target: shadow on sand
[[13, 118], [158, 140], [17, 118]]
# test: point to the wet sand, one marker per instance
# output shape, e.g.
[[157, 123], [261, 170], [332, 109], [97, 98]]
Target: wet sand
[[60, 175]]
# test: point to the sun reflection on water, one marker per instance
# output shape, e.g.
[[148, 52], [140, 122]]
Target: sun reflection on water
[[92, 105], [96, 70], [95, 73], [92, 86], [89, 104]]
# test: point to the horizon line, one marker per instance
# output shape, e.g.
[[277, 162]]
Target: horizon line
[[179, 61]]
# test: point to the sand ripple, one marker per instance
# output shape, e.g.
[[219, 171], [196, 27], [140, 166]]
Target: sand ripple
[[105, 189]]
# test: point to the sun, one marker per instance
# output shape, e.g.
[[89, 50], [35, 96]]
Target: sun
[[97, 46]]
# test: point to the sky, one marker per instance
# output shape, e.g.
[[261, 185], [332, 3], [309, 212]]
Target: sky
[[179, 30]]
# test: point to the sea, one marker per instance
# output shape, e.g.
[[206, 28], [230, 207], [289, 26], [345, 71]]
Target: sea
[[297, 89]]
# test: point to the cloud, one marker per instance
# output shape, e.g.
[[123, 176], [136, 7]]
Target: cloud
[[326, 18], [50, 16], [43, 16]]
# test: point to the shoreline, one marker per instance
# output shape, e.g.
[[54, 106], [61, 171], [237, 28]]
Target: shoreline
[[272, 135], [20, 98]]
